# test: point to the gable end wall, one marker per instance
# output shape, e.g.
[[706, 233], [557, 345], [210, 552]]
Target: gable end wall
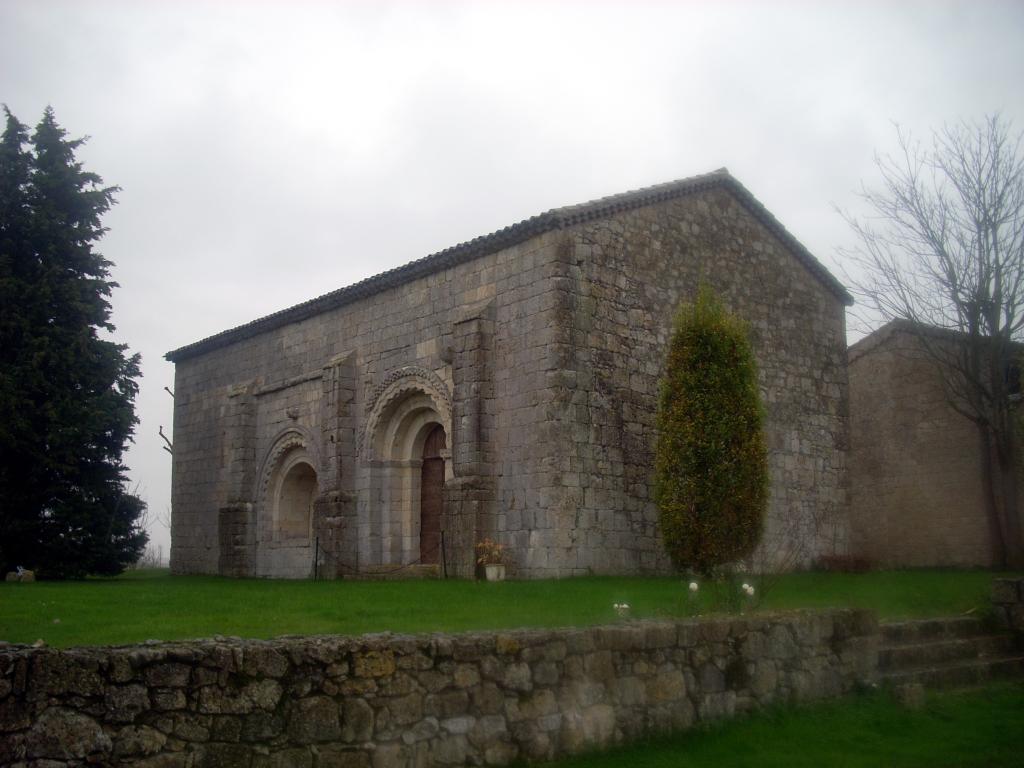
[[624, 278]]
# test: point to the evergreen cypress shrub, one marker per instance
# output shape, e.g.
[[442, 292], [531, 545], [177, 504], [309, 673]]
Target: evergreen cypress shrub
[[711, 462]]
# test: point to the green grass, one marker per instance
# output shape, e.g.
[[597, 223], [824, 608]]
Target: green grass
[[964, 729], [154, 605]]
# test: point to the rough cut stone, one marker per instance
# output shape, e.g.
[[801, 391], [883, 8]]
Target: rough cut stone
[[63, 734], [558, 692], [374, 664], [313, 720]]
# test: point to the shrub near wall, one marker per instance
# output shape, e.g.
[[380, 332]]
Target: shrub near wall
[[392, 700]]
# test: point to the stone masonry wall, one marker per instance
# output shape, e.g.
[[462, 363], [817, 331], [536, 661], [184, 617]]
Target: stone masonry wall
[[280, 371], [550, 352], [915, 469], [425, 700], [622, 280]]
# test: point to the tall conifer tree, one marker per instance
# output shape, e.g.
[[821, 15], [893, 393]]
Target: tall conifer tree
[[710, 462], [67, 396]]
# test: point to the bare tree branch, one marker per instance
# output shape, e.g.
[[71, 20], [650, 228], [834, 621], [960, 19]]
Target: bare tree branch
[[170, 446], [942, 246]]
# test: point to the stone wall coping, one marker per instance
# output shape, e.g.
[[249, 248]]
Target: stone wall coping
[[691, 631]]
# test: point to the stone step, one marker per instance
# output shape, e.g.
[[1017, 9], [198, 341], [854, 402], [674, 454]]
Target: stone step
[[397, 571], [907, 655], [923, 630], [957, 674]]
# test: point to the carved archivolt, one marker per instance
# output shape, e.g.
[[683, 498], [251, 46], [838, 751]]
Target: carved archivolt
[[396, 387], [291, 439]]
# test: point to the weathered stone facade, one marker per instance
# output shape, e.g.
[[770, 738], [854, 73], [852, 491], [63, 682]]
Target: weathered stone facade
[[390, 701], [538, 350], [915, 464]]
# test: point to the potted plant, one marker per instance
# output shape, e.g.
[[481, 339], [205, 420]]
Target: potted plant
[[491, 555]]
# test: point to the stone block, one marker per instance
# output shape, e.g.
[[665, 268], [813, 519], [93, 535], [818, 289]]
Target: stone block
[[123, 703], [1006, 591], [357, 720], [666, 687], [165, 760], [215, 755], [259, 661], [518, 677], [141, 740], [63, 734], [261, 727], [168, 675], [340, 757], [450, 750], [290, 758], [314, 719], [406, 709], [466, 676], [374, 664], [227, 728]]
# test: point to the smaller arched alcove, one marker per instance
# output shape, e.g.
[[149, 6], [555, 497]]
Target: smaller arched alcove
[[289, 487], [293, 513]]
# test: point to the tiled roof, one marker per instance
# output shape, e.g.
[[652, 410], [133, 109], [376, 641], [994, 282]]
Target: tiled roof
[[555, 219]]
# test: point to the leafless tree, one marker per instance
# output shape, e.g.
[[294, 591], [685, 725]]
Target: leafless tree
[[942, 246]]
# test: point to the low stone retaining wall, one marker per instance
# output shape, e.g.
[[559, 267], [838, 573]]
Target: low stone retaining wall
[[395, 700], [1008, 606]]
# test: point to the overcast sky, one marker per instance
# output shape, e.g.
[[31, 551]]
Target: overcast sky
[[271, 152]]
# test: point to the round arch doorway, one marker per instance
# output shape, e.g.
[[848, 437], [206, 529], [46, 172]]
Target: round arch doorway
[[432, 496]]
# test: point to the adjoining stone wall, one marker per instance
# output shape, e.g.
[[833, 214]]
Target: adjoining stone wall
[[393, 700], [622, 280], [915, 463]]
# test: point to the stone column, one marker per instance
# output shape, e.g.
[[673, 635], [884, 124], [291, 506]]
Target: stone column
[[334, 510], [236, 523], [469, 497]]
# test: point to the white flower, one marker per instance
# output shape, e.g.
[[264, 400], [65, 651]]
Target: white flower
[[694, 586], [749, 590], [745, 586], [621, 608]]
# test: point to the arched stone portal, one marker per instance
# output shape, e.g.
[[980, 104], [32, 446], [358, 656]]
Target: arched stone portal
[[408, 424]]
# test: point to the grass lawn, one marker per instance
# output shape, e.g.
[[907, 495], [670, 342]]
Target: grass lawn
[[152, 604], [980, 727]]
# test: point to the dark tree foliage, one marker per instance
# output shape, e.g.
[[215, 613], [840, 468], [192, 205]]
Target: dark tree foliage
[[711, 464], [67, 396]]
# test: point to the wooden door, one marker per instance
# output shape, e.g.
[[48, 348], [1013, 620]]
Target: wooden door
[[431, 498]]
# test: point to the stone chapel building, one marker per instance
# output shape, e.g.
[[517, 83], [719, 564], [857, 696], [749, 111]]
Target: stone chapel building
[[505, 387]]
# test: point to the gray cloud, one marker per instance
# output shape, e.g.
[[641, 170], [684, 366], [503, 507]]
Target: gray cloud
[[272, 152]]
